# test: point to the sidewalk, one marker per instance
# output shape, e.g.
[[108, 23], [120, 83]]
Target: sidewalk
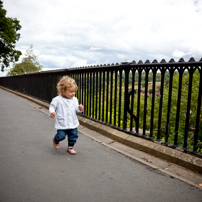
[[32, 170]]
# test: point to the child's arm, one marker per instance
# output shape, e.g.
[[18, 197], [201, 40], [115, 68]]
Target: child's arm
[[80, 107], [52, 108], [53, 115]]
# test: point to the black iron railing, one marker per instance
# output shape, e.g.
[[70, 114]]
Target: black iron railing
[[157, 101]]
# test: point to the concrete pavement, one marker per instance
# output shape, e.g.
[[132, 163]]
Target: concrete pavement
[[32, 170]]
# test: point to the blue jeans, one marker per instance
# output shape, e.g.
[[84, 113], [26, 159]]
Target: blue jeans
[[71, 133]]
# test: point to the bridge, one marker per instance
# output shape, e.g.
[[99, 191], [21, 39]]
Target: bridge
[[105, 168]]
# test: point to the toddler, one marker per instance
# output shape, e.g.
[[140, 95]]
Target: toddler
[[63, 108]]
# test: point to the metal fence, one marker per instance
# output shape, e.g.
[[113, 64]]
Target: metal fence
[[160, 102]]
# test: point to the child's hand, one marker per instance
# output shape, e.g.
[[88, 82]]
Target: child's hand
[[80, 107], [53, 115]]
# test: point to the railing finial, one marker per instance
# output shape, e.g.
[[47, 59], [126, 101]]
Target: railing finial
[[155, 61], [181, 60], [191, 59], [163, 61], [172, 60]]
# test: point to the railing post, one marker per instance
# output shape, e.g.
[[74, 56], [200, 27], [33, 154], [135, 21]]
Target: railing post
[[169, 102], [126, 99], [145, 101], [178, 105], [198, 114], [153, 102], [191, 71], [138, 100]]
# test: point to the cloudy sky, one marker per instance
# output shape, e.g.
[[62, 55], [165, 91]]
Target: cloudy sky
[[67, 34]]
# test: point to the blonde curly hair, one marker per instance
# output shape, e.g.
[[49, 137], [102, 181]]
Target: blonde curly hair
[[65, 83]]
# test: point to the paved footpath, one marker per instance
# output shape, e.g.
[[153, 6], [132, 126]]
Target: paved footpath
[[32, 170]]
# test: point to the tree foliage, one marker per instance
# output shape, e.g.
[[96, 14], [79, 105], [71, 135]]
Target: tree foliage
[[173, 111], [8, 38], [29, 64]]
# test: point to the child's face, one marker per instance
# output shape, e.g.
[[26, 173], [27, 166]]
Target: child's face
[[69, 93]]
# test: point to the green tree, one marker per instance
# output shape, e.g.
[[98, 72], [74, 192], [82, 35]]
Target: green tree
[[183, 110], [29, 64], [150, 91], [173, 112], [8, 38]]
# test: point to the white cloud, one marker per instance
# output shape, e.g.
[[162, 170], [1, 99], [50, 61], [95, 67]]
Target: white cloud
[[178, 54], [94, 48], [79, 33], [3, 73]]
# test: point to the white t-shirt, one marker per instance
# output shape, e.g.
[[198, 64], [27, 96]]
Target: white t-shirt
[[65, 109]]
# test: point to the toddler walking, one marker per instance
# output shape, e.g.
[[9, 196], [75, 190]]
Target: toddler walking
[[63, 108]]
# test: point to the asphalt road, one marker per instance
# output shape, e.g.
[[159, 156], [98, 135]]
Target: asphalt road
[[32, 170]]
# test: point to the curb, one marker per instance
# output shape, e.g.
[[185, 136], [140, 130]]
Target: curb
[[172, 155]]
